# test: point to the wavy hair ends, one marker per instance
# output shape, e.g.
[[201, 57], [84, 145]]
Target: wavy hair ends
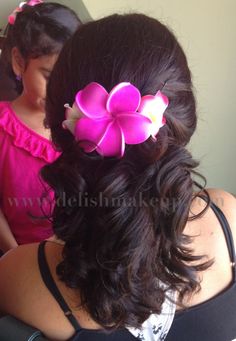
[[122, 220]]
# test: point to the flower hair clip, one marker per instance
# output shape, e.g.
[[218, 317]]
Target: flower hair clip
[[12, 16], [106, 122]]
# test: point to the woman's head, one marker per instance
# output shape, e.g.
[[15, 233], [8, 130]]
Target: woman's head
[[129, 48], [122, 219], [37, 31]]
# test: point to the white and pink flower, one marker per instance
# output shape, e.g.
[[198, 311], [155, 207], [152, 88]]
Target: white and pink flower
[[106, 122]]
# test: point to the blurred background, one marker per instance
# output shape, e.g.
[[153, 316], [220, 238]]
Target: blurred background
[[207, 32]]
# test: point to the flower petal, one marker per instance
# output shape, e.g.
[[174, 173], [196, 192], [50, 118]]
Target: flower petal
[[135, 127], [124, 97], [90, 132], [72, 113], [92, 101], [113, 142], [69, 125], [154, 108]]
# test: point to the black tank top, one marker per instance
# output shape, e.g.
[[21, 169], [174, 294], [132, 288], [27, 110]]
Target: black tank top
[[81, 334], [214, 319]]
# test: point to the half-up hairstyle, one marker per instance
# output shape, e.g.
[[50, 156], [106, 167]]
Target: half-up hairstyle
[[122, 220]]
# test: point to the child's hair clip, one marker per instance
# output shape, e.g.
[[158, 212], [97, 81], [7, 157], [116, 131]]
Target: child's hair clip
[[12, 16]]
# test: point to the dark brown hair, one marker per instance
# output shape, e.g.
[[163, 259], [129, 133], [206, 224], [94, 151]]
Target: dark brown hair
[[116, 246], [38, 30]]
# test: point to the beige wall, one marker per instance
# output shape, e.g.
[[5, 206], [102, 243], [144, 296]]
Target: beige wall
[[207, 31]]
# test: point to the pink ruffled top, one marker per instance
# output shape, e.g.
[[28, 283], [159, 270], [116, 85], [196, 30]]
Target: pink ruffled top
[[24, 198]]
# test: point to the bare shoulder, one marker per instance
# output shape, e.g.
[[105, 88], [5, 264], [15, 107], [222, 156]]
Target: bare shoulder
[[205, 229], [208, 240], [222, 198], [16, 271], [24, 294], [207, 224], [227, 203], [17, 258], [17, 254]]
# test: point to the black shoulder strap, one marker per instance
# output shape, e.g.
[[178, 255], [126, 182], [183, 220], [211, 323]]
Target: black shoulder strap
[[228, 234], [52, 287]]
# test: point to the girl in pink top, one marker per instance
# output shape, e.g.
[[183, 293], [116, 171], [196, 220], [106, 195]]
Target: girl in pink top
[[35, 36]]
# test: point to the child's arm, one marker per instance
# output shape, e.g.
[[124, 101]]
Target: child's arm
[[7, 240]]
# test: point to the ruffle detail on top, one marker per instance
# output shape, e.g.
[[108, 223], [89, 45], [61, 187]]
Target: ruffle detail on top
[[25, 138]]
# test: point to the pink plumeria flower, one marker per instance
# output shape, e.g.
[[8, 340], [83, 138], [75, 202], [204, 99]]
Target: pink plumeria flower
[[106, 122], [12, 16]]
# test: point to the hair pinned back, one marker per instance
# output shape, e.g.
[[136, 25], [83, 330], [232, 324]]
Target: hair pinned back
[[122, 219]]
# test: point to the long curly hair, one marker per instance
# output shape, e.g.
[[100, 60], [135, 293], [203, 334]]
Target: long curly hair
[[122, 220]]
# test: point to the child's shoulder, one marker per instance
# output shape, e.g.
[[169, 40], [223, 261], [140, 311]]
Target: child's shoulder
[[18, 134], [5, 117], [4, 107], [6, 113]]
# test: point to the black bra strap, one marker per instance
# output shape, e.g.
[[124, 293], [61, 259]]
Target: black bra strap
[[228, 235], [52, 287]]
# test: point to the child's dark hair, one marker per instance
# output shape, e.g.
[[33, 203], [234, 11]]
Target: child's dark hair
[[38, 30], [122, 220]]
